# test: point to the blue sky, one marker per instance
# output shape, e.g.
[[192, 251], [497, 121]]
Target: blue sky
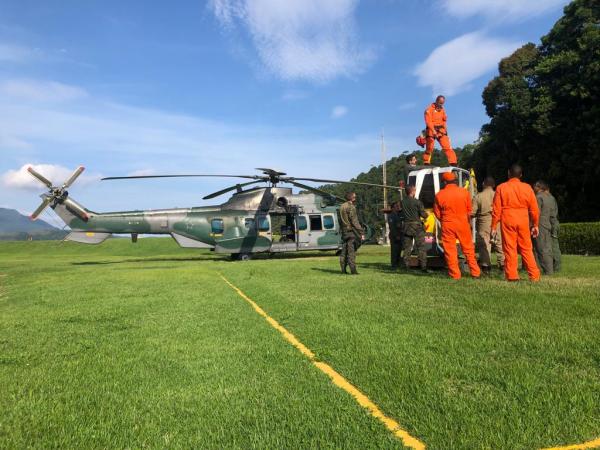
[[223, 86]]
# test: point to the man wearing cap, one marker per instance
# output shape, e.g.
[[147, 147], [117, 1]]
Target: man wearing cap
[[515, 207], [452, 207], [435, 122]]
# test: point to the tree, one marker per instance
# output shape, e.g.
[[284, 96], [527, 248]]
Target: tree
[[545, 113]]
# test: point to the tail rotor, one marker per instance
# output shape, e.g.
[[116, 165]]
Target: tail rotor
[[58, 195]]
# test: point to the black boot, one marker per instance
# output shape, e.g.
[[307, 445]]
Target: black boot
[[353, 271], [343, 267]]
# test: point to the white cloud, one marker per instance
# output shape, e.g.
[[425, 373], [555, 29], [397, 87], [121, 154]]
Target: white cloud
[[452, 66], [22, 179], [46, 91], [15, 53], [339, 111], [406, 106], [293, 95], [509, 10], [311, 40], [121, 139]]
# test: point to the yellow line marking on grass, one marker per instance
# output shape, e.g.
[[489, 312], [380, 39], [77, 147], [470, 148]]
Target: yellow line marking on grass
[[335, 376], [586, 445]]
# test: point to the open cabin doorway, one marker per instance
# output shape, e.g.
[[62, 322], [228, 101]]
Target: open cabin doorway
[[283, 232]]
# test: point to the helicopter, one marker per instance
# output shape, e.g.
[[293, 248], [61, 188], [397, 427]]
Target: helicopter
[[269, 219]]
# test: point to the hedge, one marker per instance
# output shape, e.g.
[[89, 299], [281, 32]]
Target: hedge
[[580, 238]]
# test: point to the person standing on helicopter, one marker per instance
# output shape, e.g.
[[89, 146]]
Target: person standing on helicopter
[[435, 123]]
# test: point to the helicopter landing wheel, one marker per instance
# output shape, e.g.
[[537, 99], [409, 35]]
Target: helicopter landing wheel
[[241, 256]]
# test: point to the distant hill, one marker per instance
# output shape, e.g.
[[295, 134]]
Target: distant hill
[[14, 226]]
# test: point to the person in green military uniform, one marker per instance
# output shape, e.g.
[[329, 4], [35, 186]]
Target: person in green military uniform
[[352, 232], [396, 236], [548, 215], [556, 255], [414, 230]]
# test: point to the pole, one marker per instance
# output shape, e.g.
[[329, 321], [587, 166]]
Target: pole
[[385, 203]]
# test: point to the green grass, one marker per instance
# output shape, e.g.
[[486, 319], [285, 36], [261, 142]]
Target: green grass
[[124, 345]]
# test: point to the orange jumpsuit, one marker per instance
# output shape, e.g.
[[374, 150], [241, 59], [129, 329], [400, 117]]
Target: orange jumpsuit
[[452, 206], [435, 122], [515, 207]]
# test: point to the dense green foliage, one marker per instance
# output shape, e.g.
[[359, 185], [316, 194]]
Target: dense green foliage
[[144, 346], [580, 238], [545, 113]]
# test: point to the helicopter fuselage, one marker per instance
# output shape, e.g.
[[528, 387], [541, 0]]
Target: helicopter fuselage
[[271, 219]]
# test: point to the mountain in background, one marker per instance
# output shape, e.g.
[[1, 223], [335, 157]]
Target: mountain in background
[[14, 226]]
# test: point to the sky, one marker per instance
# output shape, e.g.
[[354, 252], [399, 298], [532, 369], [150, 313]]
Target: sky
[[307, 87]]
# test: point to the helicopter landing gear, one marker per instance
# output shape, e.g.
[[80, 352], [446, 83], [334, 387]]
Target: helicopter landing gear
[[241, 256]]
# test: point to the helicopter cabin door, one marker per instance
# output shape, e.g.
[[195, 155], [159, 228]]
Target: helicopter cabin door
[[321, 231], [303, 232]]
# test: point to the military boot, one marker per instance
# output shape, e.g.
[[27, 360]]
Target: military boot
[[353, 270], [344, 268]]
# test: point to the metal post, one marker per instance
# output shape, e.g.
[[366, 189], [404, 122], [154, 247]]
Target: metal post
[[385, 203]]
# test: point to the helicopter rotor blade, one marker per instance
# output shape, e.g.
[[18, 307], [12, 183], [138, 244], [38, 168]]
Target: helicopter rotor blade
[[73, 177], [45, 202], [135, 177], [315, 190], [77, 210], [346, 182], [231, 188], [40, 177]]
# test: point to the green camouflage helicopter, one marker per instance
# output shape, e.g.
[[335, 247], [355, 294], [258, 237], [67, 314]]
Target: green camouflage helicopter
[[257, 220]]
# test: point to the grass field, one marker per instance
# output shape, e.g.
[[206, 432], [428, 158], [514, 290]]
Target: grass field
[[145, 345]]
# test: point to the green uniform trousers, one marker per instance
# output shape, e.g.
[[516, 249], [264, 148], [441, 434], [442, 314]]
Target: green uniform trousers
[[348, 254], [414, 237], [543, 251]]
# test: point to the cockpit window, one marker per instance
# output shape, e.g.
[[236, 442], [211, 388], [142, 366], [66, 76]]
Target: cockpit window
[[263, 224], [217, 226], [328, 223]]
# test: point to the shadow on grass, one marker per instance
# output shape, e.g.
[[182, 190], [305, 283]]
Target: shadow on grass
[[386, 268], [295, 255], [143, 260], [212, 257], [320, 269]]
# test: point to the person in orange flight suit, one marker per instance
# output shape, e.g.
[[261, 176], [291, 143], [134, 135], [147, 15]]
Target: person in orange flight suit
[[435, 122], [516, 208], [452, 207]]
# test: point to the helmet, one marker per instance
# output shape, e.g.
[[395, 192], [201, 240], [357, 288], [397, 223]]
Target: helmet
[[421, 141]]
